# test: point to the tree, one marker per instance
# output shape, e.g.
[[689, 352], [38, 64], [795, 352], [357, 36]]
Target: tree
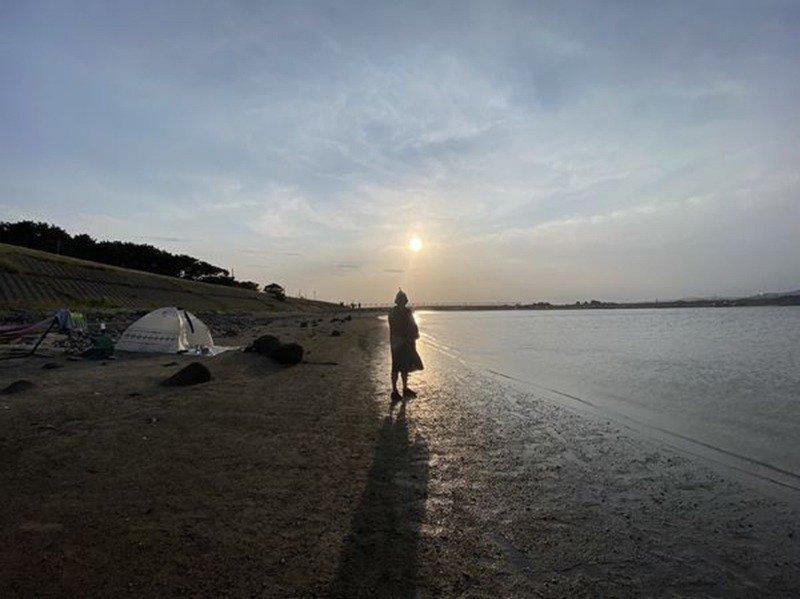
[[37, 236], [136, 256], [84, 247], [276, 291], [252, 285]]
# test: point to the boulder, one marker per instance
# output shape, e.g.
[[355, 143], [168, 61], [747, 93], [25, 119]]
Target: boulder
[[17, 387], [288, 353], [265, 345], [193, 374], [272, 347]]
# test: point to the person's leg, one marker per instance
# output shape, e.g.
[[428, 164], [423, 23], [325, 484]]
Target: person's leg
[[395, 372], [406, 391]]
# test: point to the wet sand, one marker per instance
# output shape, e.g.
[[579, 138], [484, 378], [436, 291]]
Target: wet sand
[[306, 481], [554, 503]]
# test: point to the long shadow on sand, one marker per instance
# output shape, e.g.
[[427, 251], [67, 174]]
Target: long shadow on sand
[[379, 558]]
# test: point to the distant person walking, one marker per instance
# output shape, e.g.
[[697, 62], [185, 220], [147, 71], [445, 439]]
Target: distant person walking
[[403, 335]]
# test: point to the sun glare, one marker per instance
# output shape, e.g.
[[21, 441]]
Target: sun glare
[[415, 244]]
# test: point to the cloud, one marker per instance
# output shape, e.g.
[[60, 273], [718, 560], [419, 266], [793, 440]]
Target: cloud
[[528, 145], [169, 239], [270, 252]]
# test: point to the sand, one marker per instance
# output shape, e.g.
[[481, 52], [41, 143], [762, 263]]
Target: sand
[[306, 481]]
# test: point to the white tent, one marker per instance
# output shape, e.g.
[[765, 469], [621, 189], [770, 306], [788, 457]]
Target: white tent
[[167, 331]]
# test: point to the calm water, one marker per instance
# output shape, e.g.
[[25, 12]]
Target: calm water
[[722, 383]]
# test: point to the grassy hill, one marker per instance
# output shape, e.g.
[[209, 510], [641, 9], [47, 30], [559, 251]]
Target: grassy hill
[[31, 280]]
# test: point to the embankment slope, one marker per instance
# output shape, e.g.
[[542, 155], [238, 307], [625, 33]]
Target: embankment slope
[[32, 280]]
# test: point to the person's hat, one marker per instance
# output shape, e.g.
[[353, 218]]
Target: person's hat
[[401, 298]]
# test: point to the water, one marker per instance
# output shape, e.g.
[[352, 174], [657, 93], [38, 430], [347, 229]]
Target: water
[[721, 383]]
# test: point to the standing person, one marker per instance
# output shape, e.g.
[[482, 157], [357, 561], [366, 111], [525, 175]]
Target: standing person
[[403, 335]]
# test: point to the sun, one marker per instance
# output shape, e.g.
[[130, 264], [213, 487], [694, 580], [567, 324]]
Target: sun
[[415, 244]]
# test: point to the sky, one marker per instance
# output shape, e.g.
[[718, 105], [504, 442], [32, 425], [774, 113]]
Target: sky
[[559, 151]]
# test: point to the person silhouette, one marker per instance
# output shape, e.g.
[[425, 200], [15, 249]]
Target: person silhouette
[[403, 335]]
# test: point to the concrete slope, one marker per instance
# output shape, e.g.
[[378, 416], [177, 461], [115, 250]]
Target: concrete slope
[[34, 280]]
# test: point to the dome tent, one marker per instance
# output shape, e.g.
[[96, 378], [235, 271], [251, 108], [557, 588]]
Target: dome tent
[[167, 331]]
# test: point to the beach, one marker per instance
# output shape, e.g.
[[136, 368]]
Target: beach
[[306, 481]]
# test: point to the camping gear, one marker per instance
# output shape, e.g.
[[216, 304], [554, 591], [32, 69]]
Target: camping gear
[[72, 324], [101, 348], [12, 332], [167, 331]]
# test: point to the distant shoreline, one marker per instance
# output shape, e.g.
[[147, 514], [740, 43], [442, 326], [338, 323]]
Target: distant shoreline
[[783, 300]]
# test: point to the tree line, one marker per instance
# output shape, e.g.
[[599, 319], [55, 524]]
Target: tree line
[[136, 256]]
